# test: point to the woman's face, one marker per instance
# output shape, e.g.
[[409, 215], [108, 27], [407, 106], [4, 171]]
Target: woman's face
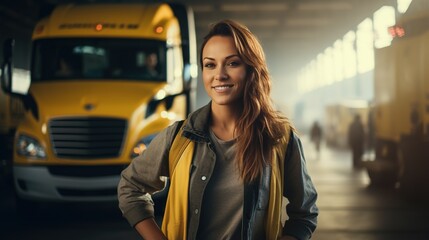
[[224, 73]]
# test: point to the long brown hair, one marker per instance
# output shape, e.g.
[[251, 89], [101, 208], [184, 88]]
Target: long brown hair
[[260, 126]]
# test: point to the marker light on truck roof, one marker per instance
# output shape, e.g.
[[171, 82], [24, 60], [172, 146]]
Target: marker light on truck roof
[[159, 29], [98, 27], [39, 29]]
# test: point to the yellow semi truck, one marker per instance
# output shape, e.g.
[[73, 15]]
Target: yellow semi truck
[[401, 104], [105, 79]]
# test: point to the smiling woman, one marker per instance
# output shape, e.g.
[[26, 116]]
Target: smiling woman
[[243, 156]]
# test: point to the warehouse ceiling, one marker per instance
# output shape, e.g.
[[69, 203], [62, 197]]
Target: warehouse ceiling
[[291, 31]]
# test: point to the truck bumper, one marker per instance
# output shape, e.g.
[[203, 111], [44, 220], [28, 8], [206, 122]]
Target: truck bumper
[[39, 183]]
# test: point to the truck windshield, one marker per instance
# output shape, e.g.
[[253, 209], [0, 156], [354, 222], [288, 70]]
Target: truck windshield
[[98, 58]]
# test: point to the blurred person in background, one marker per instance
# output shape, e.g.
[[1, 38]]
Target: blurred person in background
[[150, 68], [67, 65], [316, 135], [356, 139]]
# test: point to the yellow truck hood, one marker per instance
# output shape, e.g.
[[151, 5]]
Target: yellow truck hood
[[118, 99]]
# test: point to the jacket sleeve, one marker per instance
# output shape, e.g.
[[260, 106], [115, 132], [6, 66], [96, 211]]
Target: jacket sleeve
[[142, 178], [300, 192]]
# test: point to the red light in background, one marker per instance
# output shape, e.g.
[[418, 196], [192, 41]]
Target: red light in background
[[396, 31], [400, 31]]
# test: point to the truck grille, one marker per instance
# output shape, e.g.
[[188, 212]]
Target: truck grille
[[87, 138], [86, 171]]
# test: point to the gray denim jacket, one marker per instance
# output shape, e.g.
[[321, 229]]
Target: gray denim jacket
[[142, 178]]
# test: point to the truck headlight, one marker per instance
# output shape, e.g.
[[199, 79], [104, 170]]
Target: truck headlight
[[142, 145], [29, 147]]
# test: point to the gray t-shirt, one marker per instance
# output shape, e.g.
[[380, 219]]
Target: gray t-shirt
[[222, 207]]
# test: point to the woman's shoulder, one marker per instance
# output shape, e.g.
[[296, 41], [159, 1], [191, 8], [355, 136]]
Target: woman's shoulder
[[169, 133]]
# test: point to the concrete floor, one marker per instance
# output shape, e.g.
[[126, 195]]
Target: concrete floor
[[350, 209]]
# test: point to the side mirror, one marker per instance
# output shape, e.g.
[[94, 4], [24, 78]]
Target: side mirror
[[169, 101], [7, 66]]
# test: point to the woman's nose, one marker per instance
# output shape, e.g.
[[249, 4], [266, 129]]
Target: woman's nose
[[221, 74]]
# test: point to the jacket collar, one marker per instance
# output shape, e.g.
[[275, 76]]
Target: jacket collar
[[197, 125]]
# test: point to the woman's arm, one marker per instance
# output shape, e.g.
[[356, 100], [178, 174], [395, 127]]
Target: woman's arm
[[142, 177], [148, 229], [301, 193]]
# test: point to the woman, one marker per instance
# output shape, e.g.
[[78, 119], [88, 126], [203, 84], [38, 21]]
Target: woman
[[245, 157]]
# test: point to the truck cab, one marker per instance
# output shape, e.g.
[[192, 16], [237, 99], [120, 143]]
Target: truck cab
[[105, 79]]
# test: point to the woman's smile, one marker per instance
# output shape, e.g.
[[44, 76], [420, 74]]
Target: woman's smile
[[223, 88]]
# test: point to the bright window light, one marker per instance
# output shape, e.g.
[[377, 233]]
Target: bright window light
[[320, 70], [349, 54], [383, 19], [365, 46], [403, 5], [328, 66], [337, 55]]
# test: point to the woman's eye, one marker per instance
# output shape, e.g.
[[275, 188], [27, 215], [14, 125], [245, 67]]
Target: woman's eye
[[234, 64], [209, 65]]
